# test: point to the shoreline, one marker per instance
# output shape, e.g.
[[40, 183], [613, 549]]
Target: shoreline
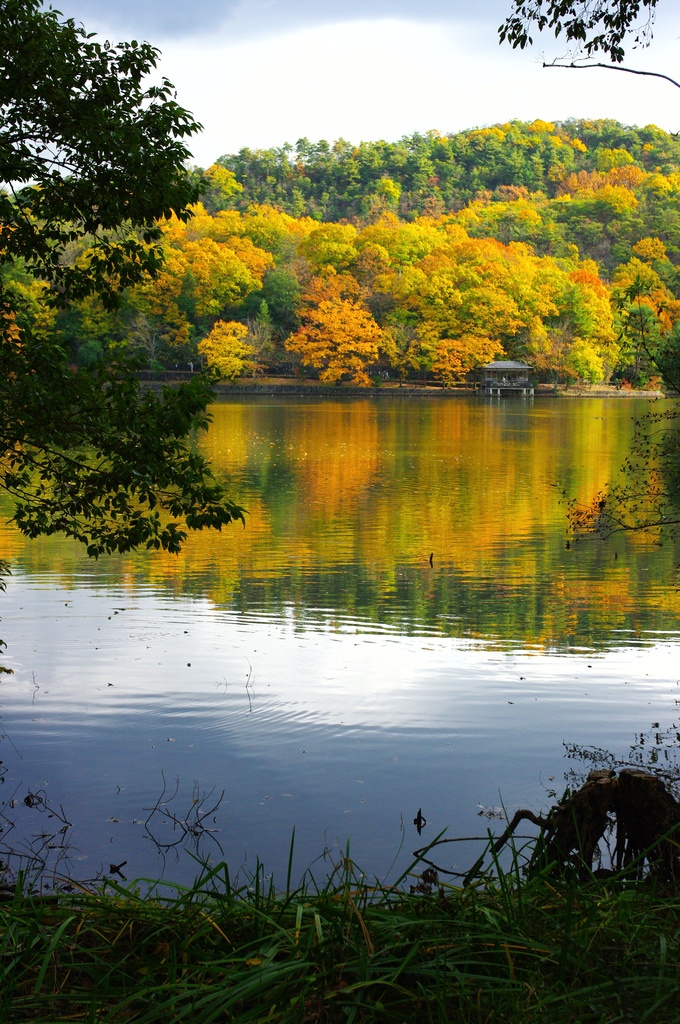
[[268, 387], [348, 391], [502, 949]]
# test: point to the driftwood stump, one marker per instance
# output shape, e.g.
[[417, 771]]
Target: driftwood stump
[[576, 825], [646, 817], [637, 804], [647, 822]]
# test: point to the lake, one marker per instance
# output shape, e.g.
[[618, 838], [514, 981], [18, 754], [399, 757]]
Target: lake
[[313, 671]]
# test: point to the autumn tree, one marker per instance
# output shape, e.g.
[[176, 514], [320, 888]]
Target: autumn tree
[[221, 187], [330, 245], [470, 299], [402, 346], [647, 311], [160, 307], [455, 357], [550, 352], [226, 349], [340, 338], [580, 342]]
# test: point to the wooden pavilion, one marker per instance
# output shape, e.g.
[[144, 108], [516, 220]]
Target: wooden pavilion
[[506, 377]]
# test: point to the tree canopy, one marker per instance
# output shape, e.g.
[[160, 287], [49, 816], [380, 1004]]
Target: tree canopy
[[91, 162], [86, 148]]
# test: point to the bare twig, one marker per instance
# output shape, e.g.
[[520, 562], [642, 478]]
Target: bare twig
[[614, 67], [495, 845], [190, 827]]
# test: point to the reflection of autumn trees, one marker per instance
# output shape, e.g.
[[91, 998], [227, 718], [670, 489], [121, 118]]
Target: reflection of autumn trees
[[338, 454], [346, 500]]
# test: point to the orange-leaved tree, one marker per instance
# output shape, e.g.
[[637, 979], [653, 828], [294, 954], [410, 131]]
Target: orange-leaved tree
[[340, 338]]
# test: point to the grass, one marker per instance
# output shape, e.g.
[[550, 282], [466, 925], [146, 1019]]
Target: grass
[[507, 949]]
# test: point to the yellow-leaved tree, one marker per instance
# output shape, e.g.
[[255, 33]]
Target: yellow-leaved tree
[[226, 350], [340, 338]]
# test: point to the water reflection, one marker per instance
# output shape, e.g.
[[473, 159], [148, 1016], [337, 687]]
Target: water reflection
[[347, 500], [315, 666]]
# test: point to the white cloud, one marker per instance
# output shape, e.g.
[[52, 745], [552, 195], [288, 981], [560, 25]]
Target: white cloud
[[164, 19], [385, 78], [260, 72]]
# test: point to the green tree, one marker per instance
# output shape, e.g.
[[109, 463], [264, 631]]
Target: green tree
[[87, 149], [260, 335], [281, 291], [91, 155]]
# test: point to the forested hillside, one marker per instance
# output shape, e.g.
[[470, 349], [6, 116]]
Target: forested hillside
[[432, 174], [554, 243]]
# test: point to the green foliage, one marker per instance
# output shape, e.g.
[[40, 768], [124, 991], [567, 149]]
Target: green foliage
[[505, 949], [221, 185], [86, 149], [437, 173], [91, 157], [601, 26], [90, 454]]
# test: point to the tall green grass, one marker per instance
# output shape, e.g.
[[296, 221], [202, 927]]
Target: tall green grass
[[504, 949]]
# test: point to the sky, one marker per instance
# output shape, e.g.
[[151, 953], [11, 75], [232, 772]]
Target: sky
[[259, 73]]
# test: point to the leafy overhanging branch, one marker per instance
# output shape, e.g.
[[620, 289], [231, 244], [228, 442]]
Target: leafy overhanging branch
[[91, 153], [86, 145], [647, 497], [91, 454], [591, 25], [594, 25]]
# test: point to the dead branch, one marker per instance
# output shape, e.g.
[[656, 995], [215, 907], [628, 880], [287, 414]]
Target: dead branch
[[614, 67]]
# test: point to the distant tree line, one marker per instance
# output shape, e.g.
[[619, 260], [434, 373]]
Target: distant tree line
[[553, 243], [434, 173]]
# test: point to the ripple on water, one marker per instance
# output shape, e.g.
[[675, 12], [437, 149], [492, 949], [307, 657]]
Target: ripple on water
[[316, 666]]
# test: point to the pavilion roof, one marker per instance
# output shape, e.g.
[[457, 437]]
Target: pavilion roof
[[506, 364]]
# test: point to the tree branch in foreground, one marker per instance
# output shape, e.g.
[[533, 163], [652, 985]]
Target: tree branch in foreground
[[613, 67]]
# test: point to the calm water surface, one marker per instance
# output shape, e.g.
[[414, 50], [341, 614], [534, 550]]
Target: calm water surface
[[314, 668]]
